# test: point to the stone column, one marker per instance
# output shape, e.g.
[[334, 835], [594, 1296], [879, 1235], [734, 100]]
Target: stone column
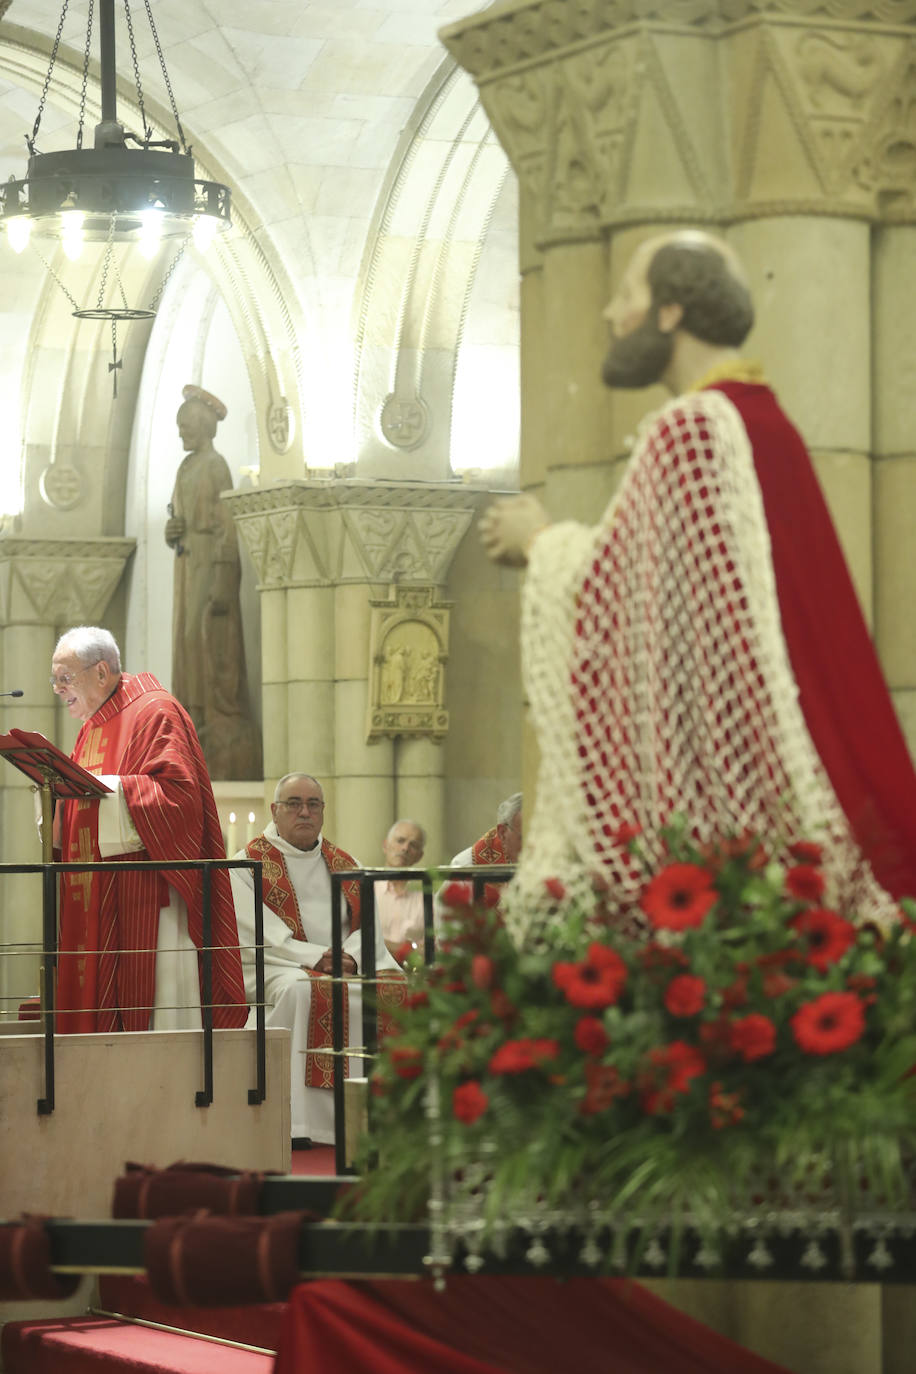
[[789, 134], [46, 586], [331, 557]]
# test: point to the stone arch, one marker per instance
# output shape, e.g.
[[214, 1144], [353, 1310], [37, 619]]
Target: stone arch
[[449, 203]]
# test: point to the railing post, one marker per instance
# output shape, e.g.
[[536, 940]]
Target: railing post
[[205, 1097], [48, 980], [257, 1094], [338, 1036]]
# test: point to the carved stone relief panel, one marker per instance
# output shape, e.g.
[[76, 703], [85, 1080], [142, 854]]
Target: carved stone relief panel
[[59, 582], [815, 106], [408, 651], [324, 533]]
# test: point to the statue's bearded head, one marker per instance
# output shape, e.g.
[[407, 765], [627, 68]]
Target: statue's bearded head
[[686, 281]]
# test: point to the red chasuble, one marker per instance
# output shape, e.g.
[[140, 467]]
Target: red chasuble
[[489, 849], [109, 922], [843, 696]]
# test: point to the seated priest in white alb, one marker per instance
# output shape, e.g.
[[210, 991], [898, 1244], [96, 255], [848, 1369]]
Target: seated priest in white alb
[[296, 880]]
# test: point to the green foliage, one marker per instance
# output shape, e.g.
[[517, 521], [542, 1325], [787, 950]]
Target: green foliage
[[579, 1069]]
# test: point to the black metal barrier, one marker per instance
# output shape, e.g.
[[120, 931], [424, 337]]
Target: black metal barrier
[[479, 876], [49, 951]]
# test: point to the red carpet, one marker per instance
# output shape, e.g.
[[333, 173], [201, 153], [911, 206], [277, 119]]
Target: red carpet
[[94, 1345], [318, 1161]]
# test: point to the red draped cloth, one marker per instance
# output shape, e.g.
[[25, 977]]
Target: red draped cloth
[[843, 695], [500, 1326], [109, 922]]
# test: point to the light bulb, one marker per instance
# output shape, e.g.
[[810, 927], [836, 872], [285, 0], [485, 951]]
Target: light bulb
[[72, 233], [206, 227], [150, 232], [18, 231]]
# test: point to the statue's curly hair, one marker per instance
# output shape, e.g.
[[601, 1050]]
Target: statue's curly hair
[[716, 303]]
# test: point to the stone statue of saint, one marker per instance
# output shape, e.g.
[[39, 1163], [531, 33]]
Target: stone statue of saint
[[208, 652]]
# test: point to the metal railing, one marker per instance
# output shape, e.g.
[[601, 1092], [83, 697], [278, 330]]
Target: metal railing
[[49, 952], [479, 876]]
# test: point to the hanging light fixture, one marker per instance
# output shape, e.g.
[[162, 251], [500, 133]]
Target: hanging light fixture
[[126, 188]]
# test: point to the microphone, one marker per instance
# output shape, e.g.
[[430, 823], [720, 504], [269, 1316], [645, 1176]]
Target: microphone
[[17, 692]]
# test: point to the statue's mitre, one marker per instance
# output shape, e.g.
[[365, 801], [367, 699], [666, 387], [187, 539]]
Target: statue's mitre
[[197, 393]]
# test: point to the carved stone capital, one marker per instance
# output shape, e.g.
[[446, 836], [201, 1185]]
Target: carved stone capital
[[59, 582], [408, 651], [327, 533], [630, 111]]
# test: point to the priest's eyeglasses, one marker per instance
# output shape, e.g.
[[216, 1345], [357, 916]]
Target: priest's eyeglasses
[[64, 679], [298, 804]]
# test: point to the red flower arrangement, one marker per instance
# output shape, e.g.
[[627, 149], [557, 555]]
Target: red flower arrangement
[[790, 1034]]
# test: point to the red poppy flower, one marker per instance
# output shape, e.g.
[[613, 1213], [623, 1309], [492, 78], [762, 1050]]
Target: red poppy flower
[[602, 1084], [827, 937], [406, 1060], [555, 888], [678, 897], [590, 1035], [830, 1023], [805, 882], [517, 1056], [482, 969], [457, 894], [805, 852], [685, 995], [596, 981], [469, 1101], [724, 1108], [753, 1037]]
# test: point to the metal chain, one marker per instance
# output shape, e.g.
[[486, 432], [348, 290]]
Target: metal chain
[[117, 272], [52, 273], [165, 76], [147, 131], [106, 261], [44, 89], [165, 280], [82, 116]]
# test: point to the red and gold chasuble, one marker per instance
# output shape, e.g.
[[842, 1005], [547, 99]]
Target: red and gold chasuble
[[109, 921], [489, 849], [280, 896]]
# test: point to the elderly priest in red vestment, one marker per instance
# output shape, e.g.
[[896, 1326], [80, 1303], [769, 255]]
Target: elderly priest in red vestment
[[129, 944], [296, 879]]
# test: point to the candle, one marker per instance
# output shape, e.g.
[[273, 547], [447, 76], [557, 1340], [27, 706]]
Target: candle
[[231, 845], [250, 833]]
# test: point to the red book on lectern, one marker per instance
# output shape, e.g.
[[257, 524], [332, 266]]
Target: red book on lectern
[[32, 754]]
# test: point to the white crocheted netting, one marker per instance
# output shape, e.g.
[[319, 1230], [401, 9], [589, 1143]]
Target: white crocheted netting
[[659, 680]]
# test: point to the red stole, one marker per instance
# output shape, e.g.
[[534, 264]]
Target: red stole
[[109, 922], [842, 691], [280, 896]]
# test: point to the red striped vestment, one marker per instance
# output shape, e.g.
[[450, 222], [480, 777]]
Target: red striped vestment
[[109, 922]]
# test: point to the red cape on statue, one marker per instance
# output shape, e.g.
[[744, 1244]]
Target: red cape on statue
[[843, 695], [146, 738]]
